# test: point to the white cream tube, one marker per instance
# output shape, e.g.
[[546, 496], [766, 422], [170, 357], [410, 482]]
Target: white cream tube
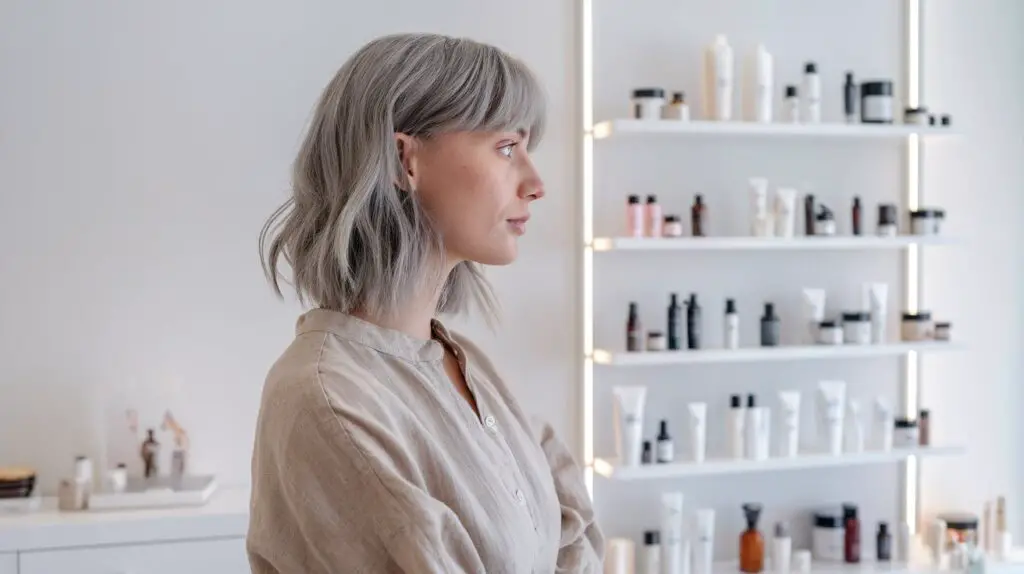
[[854, 432], [833, 404], [789, 444], [876, 296], [761, 223], [758, 432], [882, 425], [629, 423], [813, 311], [785, 212], [698, 430], [704, 545], [672, 532]]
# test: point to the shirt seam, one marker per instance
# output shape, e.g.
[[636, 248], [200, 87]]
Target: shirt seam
[[365, 460], [386, 351]]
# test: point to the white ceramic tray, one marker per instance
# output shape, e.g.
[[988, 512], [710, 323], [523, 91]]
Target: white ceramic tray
[[160, 492]]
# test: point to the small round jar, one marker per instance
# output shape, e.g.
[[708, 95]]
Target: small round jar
[[926, 221], [830, 333], [887, 226], [961, 528], [876, 102], [916, 326], [677, 109], [905, 434], [647, 103], [941, 331], [824, 224], [656, 341], [672, 226], [857, 328], [916, 116], [827, 537]]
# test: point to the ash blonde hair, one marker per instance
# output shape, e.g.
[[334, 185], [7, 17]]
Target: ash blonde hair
[[354, 239]]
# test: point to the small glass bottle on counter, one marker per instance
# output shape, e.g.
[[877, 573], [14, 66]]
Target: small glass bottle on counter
[[923, 427], [634, 330], [855, 216], [851, 534], [751, 542], [883, 543], [698, 215]]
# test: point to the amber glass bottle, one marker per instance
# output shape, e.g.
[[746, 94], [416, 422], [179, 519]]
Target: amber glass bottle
[[751, 542]]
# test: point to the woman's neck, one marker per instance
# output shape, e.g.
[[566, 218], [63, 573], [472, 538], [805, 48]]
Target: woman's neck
[[413, 318]]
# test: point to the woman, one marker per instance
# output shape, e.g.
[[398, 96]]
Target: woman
[[386, 443]]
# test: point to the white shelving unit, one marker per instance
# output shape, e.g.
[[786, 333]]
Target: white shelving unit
[[908, 140]]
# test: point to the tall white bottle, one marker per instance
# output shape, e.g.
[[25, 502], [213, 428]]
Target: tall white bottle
[[718, 80], [812, 94], [761, 85]]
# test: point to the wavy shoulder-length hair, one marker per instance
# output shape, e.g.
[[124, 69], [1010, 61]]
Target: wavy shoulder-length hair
[[353, 233]]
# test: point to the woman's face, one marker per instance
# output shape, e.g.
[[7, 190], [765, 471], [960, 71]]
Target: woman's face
[[477, 188]]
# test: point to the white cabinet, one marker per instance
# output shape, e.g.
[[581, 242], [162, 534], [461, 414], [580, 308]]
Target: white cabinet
[[225, 556], [8, 563]]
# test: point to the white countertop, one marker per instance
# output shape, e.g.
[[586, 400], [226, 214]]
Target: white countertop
[[226, 515]]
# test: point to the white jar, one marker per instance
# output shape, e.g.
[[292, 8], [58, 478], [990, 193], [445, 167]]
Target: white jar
[[647, 103], [824, 226], [857, 328], [876, 102], [905, 434], [926, 221], [827, 535], [672, 226], [830, 333]]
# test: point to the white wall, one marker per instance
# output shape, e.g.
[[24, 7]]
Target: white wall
[[141, 148], [142, 145]]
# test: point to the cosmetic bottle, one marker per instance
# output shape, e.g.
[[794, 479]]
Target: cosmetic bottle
[[665, 448], [802, 562], [1003, 538], [672, 532], [855, 216], [676, 109], [698, 430], [698, 212], [763, 71], [761, 222], [693, 323], [652, 217], [791, 106], [832, 408], [718, 80], [851, 534], [652, 552], [634, 217], [757, 430], [675, 319], [883, 543], [824, 222], [647, 455], [785, 212], [782, 549], [634, 330], [704, 550], [735, 430], [628, 422], [853, 435], [769, 327], [850, 99], [790, 440], [812, 94], [751, 542], [924, 427], [731, 329], [809, 215], [886, 226], [882, 425], [619, 556]]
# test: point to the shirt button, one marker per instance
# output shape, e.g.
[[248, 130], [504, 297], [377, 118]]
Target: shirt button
[[520, 497], [490, 422]]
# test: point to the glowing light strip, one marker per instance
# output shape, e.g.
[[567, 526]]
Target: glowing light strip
[[587, 181], [912, 278]]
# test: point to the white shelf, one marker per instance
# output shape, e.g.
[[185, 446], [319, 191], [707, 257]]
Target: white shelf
[[765, 354], [992, 566], [764, 243], [608, 469], [623, 127]]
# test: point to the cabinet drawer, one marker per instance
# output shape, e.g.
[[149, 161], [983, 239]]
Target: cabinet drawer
[[196, 557], [8, 563]]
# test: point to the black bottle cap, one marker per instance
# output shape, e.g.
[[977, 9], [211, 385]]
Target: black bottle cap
[[883, 529], [693, 299], [923, 414], [730, 306], [698, 199], [735, 401], [673, 300], [751, 401], [769, 309], [652, 538], [652, 198], [790, 91], [649, 93], [633, 309], [647, 446], [946, 120], [849, 77], [678, 97], [849, 511], [664, 427], [856, 201], [931, 120], [810, 68], [634, 199]]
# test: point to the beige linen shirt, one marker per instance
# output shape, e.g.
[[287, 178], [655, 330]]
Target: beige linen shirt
[[368, 460]]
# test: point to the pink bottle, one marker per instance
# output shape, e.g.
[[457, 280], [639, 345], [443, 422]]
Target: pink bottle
[[635, 217], [653, 217]]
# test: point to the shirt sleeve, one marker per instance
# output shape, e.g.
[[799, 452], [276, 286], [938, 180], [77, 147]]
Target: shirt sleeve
[[335, 491], [581, 544]]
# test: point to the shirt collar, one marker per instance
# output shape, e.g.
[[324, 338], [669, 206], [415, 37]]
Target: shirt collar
[[384, 340]]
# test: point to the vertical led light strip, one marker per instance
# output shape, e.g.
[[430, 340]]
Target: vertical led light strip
[[587, 203], [912, 267]]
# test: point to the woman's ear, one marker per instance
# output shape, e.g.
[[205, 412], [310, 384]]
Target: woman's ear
[[408, 156]]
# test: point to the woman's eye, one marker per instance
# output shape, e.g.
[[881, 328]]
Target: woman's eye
[[506, 150]]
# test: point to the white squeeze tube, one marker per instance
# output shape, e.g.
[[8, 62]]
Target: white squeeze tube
[[629, 423], [761, 222], [790, 439], [833, 405], [672, 532], [704, 551], [882, 425], [765, 84], [854, 432], [814, 311], [718, 65], [876, 295], [698, 430], [785, 212]]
